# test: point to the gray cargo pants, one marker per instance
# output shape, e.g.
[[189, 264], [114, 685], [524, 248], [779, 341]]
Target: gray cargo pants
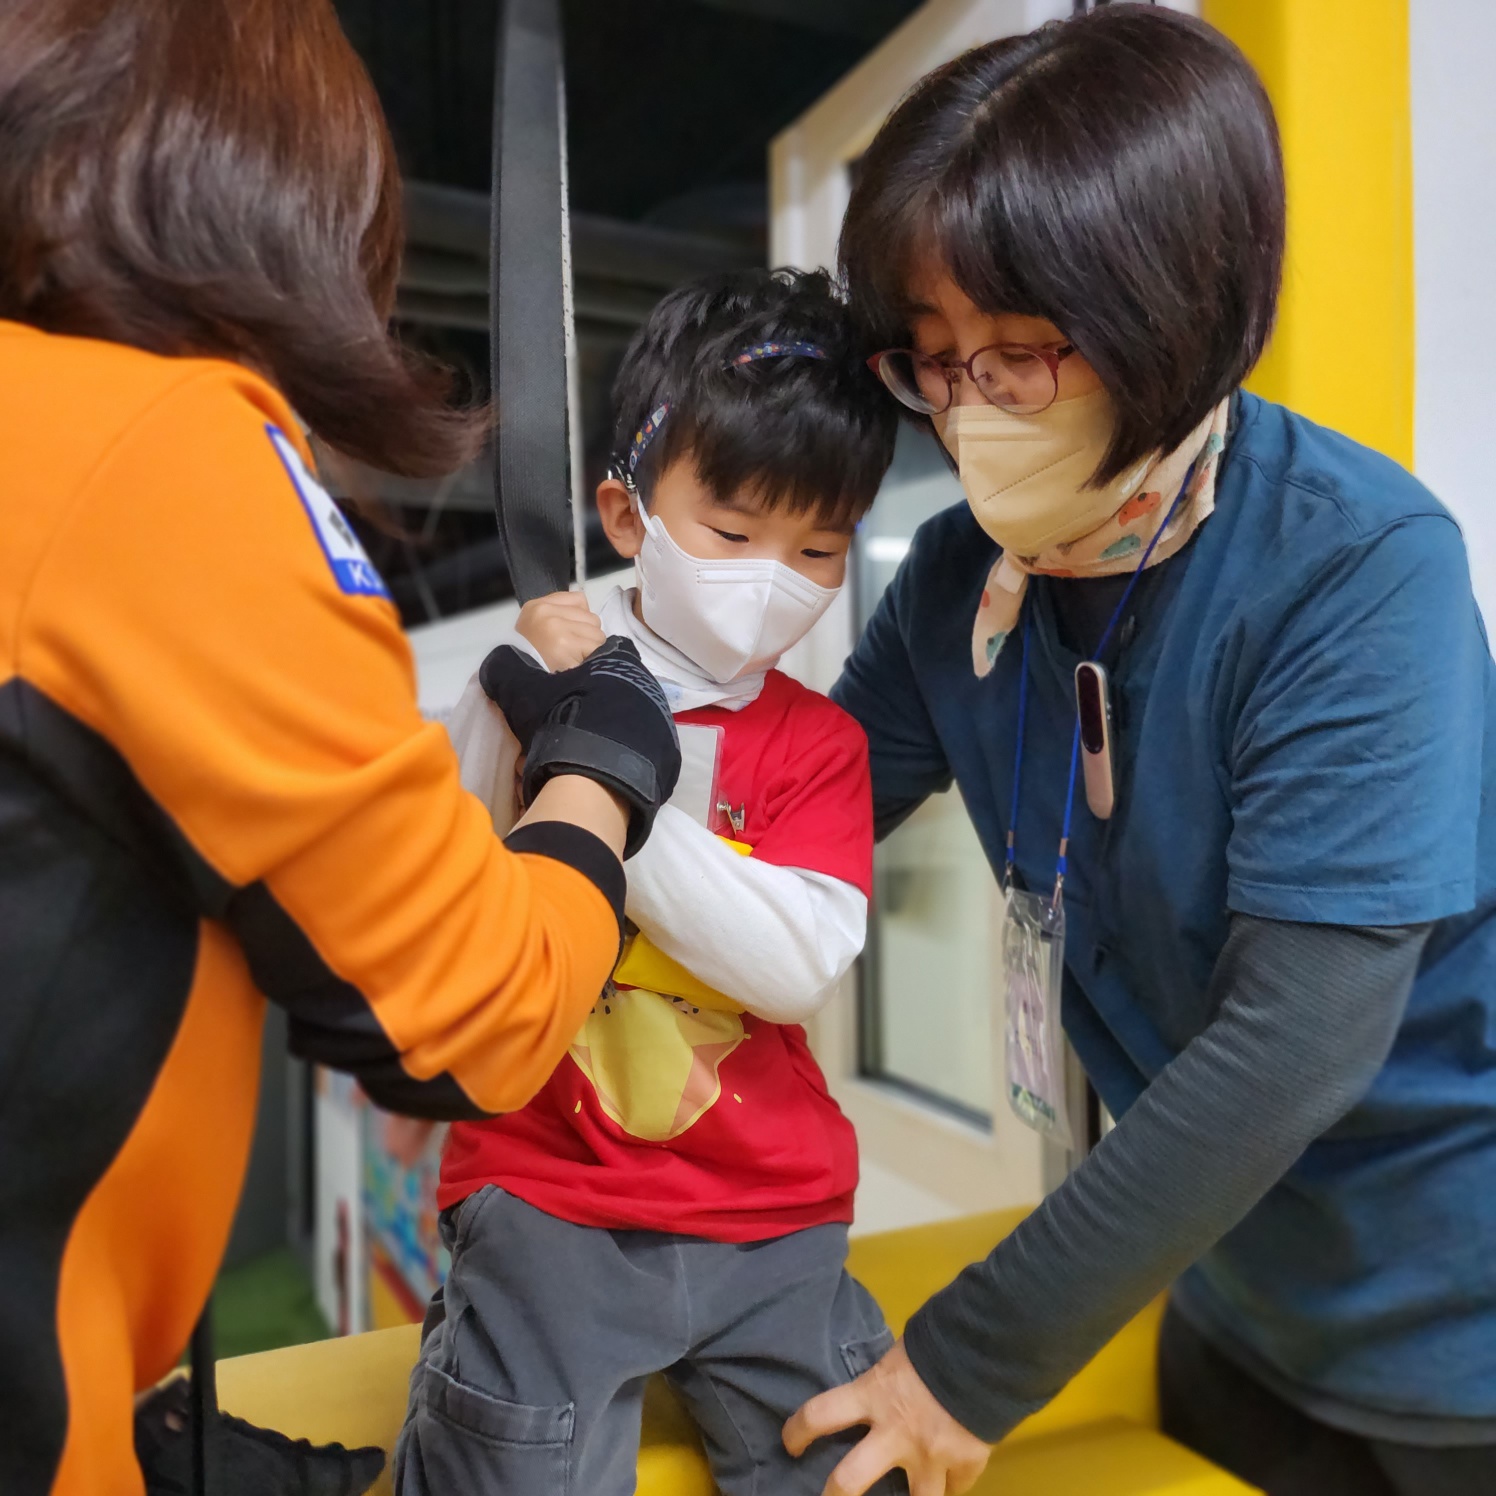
[[536, 1352]]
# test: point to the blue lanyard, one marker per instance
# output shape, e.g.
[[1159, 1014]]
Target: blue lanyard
[[1023, 691]]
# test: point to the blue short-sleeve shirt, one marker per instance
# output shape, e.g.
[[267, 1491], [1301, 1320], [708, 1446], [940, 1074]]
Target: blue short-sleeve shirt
[[1305, 732]]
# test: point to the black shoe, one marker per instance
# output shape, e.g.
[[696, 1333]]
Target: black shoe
[[243, 1460]]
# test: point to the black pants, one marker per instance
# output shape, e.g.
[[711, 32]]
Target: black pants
[[1237, 1423]]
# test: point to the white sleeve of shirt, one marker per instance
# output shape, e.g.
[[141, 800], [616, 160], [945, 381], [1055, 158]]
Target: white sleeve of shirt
[[776, 939]]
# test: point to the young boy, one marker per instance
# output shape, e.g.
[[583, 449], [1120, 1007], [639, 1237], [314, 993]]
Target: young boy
[[676, 1199]]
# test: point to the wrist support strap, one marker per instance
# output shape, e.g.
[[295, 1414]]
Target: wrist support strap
[[559, 748]]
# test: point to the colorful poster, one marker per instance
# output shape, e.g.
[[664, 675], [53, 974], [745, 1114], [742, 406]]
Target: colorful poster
[[406, 1258]]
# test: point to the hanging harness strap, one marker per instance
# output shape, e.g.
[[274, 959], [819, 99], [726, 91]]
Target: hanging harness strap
[[530, 300], [204, 1384]]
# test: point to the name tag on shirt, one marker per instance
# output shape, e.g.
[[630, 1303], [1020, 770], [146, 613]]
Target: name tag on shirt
[[696, 789], [351, 568]]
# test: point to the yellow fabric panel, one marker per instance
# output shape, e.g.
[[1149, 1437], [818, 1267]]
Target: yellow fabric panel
[[386, 1312], [1113, 1458], [670, 1459], [354, 1390], [351, 1390], [1093, 1440], [1338, 75], [645, 965], [901, 1269]]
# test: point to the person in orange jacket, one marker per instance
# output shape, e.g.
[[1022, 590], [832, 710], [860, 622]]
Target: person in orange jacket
[[215, 784]]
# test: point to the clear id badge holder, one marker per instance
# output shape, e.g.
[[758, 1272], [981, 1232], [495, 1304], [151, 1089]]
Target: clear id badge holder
[[700, 756], [1033, 969], [1033, 925]]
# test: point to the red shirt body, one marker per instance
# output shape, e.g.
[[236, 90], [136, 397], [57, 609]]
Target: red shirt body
[[743, 1142]]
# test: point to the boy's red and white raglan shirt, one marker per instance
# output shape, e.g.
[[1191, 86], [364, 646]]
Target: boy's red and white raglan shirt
[[669, 1115]]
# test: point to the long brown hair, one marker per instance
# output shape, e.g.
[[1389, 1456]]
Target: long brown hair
[[216, 177]]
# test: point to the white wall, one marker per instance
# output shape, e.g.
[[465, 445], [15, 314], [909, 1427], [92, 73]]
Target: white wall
[[1454, 247]]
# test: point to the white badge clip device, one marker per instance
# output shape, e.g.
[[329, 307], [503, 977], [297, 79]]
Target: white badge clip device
[[1093, 704]]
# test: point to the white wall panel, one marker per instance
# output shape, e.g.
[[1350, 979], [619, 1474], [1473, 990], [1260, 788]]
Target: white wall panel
[[1453, 43]]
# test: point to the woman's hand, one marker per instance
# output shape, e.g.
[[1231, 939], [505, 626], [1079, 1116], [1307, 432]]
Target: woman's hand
[[907, 1429], [562, 628]]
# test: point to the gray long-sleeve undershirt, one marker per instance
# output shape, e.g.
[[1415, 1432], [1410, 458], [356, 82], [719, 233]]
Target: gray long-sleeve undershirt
[[1305, 1018]]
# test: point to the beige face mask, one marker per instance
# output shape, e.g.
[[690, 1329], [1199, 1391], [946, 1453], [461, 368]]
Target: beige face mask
[[1025, 476]]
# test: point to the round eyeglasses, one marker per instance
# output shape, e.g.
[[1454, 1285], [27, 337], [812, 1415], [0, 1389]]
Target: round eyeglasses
[[1016, 377]]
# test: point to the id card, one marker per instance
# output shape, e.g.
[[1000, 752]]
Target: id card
[[1033, 967], [696, 789]]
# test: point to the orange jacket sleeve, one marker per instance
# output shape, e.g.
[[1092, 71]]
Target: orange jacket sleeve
[[203, 610]]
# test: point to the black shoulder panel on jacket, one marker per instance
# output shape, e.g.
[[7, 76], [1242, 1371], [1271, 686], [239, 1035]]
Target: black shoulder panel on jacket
[[96, 967], [331, 1022]]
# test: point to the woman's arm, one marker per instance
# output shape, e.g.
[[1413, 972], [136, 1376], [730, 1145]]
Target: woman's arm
[[208, 615], [1307, 1014]]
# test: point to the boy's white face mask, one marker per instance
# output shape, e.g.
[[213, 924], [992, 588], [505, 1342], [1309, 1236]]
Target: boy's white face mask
[[730, 617]]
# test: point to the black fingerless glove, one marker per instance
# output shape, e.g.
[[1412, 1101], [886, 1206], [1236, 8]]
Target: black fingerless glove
[[605, 719]]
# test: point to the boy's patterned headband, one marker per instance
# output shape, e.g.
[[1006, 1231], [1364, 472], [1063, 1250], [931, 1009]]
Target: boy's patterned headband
[[650, 429]]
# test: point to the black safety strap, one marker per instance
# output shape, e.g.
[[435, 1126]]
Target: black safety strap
[[204, 1402], [530, 300]]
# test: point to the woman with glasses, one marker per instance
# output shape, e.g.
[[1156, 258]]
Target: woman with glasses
[[1213, 686]]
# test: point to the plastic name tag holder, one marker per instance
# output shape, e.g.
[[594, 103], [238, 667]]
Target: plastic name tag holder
[[700, 759], [1033, 925], [1032, 967], [1033, 971]]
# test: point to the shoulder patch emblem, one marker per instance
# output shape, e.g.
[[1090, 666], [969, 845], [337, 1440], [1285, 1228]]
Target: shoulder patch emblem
[[351, 567]]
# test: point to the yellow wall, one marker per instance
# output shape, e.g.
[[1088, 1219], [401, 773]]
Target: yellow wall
[[1337, 72]]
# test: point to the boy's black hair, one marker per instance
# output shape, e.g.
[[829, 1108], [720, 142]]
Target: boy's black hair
[[803, 434], [1119, 175]]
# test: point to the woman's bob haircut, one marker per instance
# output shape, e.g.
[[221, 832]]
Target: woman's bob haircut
[[215, 178], [1119, 175]]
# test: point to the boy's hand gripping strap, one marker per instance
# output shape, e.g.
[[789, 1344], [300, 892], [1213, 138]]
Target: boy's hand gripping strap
[[532, 338]]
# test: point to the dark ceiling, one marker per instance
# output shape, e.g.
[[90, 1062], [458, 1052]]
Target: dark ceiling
[[671, 105], [668, 99]]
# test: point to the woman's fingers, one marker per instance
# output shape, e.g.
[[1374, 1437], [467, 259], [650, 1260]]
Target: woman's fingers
[[869, 1460], [906, 1427], [828, 1413]]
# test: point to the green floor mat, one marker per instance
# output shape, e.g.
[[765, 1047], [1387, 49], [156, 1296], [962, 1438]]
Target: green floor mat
[[264, 1304]]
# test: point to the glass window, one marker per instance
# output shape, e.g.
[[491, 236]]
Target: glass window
[[927, 977]]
